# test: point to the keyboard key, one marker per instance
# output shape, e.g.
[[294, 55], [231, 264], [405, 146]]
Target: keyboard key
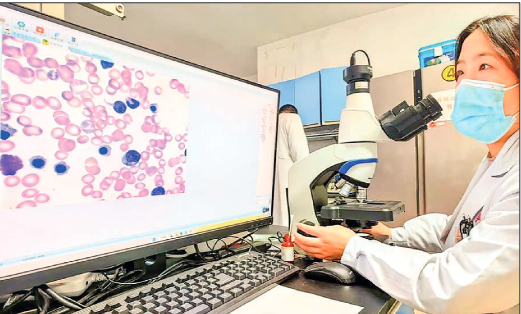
[[148, 306], [225, 297], [175, 311], [203, 284], [147, 299], [133, 305], [172, 304], [196, 302], [183, 299], [193, 295], [246, 287], [203, 291], [212, 287], [231, 285], [172, 296], [132, 297], [206, 297], [191, 282], [201, 309], [183, 292], [214, 303], [187, 306], [171, 290], [255, 282], [159, 294], [136, 311], [236, 292], [162, 301], [223, 279], [239, 276], [216, 292], [159, 310], [120, 310], [213, 280], [277, 271]]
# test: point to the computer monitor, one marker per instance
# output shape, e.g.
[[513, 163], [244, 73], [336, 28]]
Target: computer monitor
[[112, 152]]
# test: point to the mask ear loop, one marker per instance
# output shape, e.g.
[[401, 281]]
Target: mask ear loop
[[509, 88]]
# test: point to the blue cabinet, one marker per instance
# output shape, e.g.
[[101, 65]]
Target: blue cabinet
[[287, 92], [334, 94], [307, 98]]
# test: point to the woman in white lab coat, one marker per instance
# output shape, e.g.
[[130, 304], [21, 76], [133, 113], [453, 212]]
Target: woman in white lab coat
[[467, 262], [292, 145]]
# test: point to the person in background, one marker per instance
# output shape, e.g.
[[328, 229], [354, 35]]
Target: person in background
[[467, 262], [292, 145]]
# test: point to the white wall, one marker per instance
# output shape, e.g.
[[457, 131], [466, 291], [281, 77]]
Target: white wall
[[391, 38]]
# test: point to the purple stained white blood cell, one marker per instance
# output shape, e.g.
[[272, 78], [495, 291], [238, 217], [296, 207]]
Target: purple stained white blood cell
[[35, 62], [50, 63], [29, 49], [65, 73], [21, 99], [52, 75]]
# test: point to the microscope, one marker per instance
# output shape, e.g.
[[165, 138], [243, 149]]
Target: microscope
[[349, 165]]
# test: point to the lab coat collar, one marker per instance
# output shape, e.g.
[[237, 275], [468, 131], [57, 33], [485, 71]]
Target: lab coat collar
[[508, 156]]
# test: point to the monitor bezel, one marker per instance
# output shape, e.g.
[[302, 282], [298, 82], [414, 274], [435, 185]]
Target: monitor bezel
[[29, 279]]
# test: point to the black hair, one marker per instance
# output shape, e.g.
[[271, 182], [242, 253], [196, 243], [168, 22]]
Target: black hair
[[287, 108], [503, 33]]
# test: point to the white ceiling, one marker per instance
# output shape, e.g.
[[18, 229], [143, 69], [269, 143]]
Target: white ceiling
[[222, 36]]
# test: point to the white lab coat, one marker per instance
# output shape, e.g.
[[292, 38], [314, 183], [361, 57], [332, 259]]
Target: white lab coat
[[479, 274], [292, 145]]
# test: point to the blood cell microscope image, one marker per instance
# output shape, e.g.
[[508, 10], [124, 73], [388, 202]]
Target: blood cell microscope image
[[77, 129]]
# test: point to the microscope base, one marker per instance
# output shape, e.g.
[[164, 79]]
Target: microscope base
[[367, 211]]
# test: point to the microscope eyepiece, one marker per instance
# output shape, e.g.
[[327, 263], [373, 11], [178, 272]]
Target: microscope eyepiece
[[403, 122]]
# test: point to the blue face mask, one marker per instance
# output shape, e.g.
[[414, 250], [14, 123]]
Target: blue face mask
[[478, 110]]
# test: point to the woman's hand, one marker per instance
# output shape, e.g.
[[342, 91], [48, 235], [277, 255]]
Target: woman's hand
[[329, 243], [379, 230]]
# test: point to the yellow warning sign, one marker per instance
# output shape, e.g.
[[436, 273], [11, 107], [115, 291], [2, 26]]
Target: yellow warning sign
[[449, 73]]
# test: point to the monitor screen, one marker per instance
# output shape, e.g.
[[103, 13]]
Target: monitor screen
[[107, 146]]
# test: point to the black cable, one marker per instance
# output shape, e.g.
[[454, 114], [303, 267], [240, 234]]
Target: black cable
[[46, 301], [353, 59], [126, 283], [10, 306], [70, 304], [249, 234]]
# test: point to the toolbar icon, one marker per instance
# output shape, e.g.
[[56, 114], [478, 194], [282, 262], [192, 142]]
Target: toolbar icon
[[20, 24], [40, 30]]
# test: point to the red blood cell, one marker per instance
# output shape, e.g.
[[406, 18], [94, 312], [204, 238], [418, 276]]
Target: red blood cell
[[162, 163], [50, 63], [93, 170], [183, 158], [97, 90], [41, 198], [174, 83], [21, 99], [13, 66], [185, 137], [134, 170], [87, 190], [96, 141], [158, 90], [143, 193], [29, 49], [181, 146], [106, 183], [178, 138], [67, 95], [127, 118], [101, 124], [145, 156], [151, 171], [141, 177], [126, 175], [171, 162], [6, 146], [118, 135], [120, 124], [111, 91], [175, 191], [161, 144], [181, 88], [97, 194], [41, 75], [54, 103], [146, 127], [82, 139], [71, 58], [11, 51], [178, 179], [26, 75], [11, 181], [114, 84], [5, 116], [158, 154], [128, 139], [57, 133], [32, 130], [61, 117], [181, 188], [75, 102], [86, 95], [26, 204], [66, 145], [35, 62], [98, 133], [124, 147], [133, 93], [143, 165], [120, 185], [114, 174], [61, 155], [140, 185], [93, 79], [88, 178], [139, 75], [65, 73], [114, 74], [30, 180], [107, 139], [161, 170], [39, 102], [75, 68], [30, 193], [91, 67], [73, 129], [178, 171], [124, 88], [78, 86]]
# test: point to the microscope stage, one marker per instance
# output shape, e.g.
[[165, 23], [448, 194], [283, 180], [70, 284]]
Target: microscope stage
[[370, 210]]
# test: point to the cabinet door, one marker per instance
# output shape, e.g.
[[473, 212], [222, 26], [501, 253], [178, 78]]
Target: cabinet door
[[307, 98], [334, 93], [287, 92]]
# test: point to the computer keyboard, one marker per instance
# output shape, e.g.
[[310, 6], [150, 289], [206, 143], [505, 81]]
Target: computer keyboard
[[217, 287]]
